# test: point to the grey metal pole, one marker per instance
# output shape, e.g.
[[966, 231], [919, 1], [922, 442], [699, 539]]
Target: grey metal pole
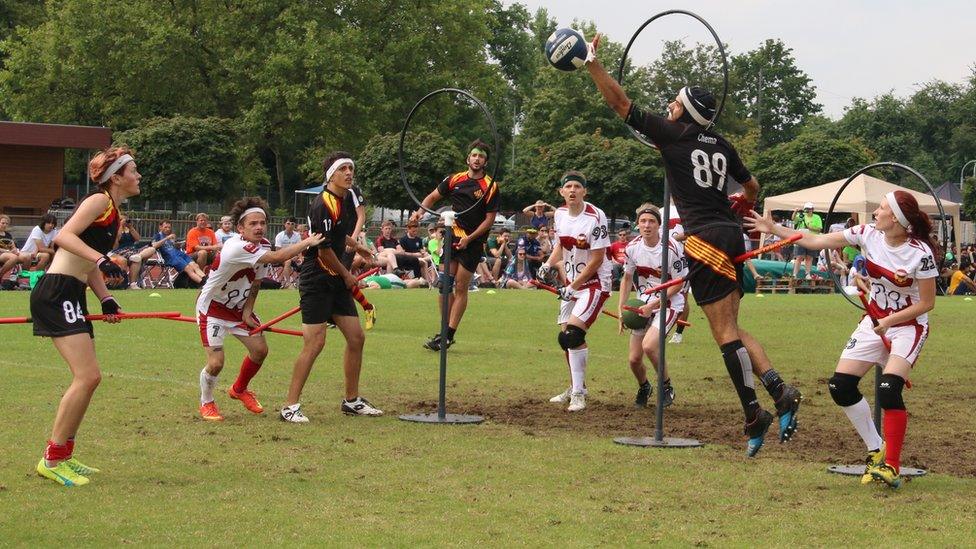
[[447, 286], [963, 171], [663, 313]]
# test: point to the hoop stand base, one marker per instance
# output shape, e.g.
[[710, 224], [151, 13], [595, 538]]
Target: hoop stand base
[[453, 419], [858, 470], [666, 442]]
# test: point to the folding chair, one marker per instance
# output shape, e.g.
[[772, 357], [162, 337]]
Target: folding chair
[[155, 273]]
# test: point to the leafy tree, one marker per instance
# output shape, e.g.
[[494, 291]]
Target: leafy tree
[[969, 197], [428, 158], [807, 161]]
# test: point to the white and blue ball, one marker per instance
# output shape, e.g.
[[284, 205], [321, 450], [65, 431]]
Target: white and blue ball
[[566, 49]]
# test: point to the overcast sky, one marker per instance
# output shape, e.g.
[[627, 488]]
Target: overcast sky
[[849, 49]]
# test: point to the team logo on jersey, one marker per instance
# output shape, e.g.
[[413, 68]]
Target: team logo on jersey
[[581, 242], [478, 194], [901, 276]]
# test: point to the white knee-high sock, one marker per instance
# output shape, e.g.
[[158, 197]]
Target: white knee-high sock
[[860, 416], [207, 385], [577, 368]]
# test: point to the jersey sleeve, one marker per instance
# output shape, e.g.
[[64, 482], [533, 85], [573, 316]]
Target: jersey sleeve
[[737, 169], [926, 266], [320, 222], [658, 129], [491, 201], [855, 234], [629, 264], [241, 252], [444, 188], [600, 236], [679, 267], [357, 196]]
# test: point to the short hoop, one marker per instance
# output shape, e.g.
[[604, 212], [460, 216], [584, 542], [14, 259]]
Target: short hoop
[[406, 126], [908, 169], [721, 49]]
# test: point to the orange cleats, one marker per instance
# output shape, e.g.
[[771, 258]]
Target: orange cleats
[[248, 399], [210, 412]]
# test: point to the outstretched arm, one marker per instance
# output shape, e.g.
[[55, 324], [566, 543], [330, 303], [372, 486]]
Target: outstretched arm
[[611, 90]]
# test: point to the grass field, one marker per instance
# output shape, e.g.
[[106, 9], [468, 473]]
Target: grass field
[[532, 474]]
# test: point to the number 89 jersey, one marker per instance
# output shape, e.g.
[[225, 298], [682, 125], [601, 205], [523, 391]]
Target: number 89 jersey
[[580, 237], [231, 275], [893, 271]]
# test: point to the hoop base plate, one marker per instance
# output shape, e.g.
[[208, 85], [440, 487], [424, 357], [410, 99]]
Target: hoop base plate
[[666, 442], [858, 470], [454, 419]]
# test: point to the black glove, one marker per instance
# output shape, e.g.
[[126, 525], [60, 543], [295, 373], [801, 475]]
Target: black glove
[[108, 268], [110, 306]]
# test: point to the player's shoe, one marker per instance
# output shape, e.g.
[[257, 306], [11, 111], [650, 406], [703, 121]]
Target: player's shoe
[[359, 406], [369, 316], [434, 343], [80, 467], [61, 473], [577, 401], [643, 394], [886, 474], [873, 461], [293, 414], [756, 431], [668, 395], [210, 412], [787, 406], [248, 399], [676, 338]]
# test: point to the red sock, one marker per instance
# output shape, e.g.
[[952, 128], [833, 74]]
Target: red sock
[[357, 294], [248, 369], [56, 452], [894, 424], [70, 444]]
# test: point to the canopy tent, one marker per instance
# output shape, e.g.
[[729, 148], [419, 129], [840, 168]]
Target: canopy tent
[[949, 191], [862, 197], [311, 191]]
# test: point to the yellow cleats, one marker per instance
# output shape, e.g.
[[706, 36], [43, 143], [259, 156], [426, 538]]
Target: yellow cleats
[[61, 473]]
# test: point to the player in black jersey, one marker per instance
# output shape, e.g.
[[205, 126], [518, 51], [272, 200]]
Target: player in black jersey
[[58, 304], [699, 163], [465, 189], [326, 293]]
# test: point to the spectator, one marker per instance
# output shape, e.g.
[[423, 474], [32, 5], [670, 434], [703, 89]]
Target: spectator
[[412, 255], [533, 248], [173, 256], [226, 229], [9, 254], [806, 222], [390, 281], [201, 242], [518, 275], [545, 243], [435, 244], [128, 252], [499, 254], [960, 283], [38, 250], [541, 212], [386, 245], [618, 253], [284, 239], [967, 257]]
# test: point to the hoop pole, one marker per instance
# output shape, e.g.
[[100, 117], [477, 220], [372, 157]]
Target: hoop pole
[[447, 287], [663, 316]]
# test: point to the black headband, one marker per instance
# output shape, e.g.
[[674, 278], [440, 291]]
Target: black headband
[[657, 215], [573, 177]]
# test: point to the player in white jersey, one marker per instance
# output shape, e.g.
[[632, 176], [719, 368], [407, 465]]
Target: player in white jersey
[[642, 270], [677, 232], [581, 229], [901, 270], [226, 303]]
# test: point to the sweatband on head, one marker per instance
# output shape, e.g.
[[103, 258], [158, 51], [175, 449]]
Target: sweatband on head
[[114, 167], [573, 177], [476, 150], [255, 209], [652, 212], [336, 165], [896, 209], [689, 103]]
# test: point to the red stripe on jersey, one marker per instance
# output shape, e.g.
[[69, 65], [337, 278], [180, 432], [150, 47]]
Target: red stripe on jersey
[[921, 332], [202, 323], [877, 271], [649, 271]]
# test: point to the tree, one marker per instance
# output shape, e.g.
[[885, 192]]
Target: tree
[[185, 158], [969, 197], [428, 158], [809, 160]]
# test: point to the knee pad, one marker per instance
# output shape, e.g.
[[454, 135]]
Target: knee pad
[[843, 389], [889, 392], [572, 337]]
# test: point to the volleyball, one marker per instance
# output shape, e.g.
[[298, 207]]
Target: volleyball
[[566, 49]]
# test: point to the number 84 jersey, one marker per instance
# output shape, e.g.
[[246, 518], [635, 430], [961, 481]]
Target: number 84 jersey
[[231, 275], [894, 272], [580, 237]]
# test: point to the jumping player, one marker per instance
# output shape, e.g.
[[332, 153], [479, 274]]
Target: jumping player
[[698, 163], [226, 302], [469, 189], [902, 272], [643, 259], [326, 293], [58, 303], [583, 239]]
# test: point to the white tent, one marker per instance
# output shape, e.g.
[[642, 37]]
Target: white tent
[[862, 197]]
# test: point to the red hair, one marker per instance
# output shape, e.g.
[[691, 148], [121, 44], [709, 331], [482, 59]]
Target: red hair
[[921, 225], [104, 159]]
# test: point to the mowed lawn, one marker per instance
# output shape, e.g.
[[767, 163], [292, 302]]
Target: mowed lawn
[[530, 475]]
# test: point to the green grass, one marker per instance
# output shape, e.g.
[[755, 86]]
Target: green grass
[[531, 475]]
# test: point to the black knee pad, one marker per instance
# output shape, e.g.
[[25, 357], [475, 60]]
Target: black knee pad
[[889, 392], [843, 389], [572, 337]]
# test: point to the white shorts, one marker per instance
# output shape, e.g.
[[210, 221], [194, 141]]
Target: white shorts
[[586, 307], [213, 330], [906, 342], [654, 323]]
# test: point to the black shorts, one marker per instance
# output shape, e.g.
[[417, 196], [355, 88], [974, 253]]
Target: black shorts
[[470, 256], [58, 307], [323, 297], [711, 270]]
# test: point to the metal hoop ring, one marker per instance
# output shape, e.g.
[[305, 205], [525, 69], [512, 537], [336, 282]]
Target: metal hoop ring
[[908, 169], [406, 126], [721, 49]]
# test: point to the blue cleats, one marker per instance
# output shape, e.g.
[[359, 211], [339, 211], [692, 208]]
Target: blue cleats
[[756, 431], [787, 406]]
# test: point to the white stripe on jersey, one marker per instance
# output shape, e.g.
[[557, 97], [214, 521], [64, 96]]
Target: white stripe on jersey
[[581, 236], [645, 261]]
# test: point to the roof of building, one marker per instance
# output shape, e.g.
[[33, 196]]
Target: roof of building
[[54, 135]]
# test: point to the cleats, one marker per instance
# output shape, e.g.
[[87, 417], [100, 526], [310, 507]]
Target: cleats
[[668, 395], [293, 414], [577, 402], [643, 394], [886, 474], [61, 473], [248, 399], [676, 338], [434, 343], [563, 397], [359, 406], [210, 412], [873, 461], [787, 406], [369, 316], [81, 468], [756, 431]]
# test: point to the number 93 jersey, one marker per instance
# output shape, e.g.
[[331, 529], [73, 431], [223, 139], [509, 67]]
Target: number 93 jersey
[[580, 237], [231, 275], [894, 272]]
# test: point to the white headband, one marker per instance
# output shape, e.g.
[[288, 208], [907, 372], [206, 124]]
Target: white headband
[[119, 162], [896, 209], [689, 104], [250, 211], [336, 165]]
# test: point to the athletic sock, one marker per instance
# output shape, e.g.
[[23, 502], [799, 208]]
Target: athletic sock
[[773, 383], [357, 294], [739, 366], [55, 453], [681, 328], [860, 416], [70, 444], [248, 369], [207, 385], [577, 368], [451, 332], [895, 423]]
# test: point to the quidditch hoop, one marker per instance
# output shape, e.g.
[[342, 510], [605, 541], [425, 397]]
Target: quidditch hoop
[[406, 126], [908, 169], [721, 50]]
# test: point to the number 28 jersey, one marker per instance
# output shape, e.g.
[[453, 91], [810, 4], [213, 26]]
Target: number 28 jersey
[[580, 237], [229, 283], [894, 272]]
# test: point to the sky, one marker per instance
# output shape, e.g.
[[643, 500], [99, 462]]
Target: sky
[[848, 49]]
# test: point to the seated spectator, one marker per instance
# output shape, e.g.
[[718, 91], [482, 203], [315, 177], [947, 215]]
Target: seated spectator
[[386, 246], [9, 254], [533, 248], [412, 256], [201, 242], [226, 229], [38, 250], [285, 238], [519, 274], [127, 253], [545, 243], [967, 256], [542, 212], [960, 282], [164, 243], [499, 254], [618, 253]]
